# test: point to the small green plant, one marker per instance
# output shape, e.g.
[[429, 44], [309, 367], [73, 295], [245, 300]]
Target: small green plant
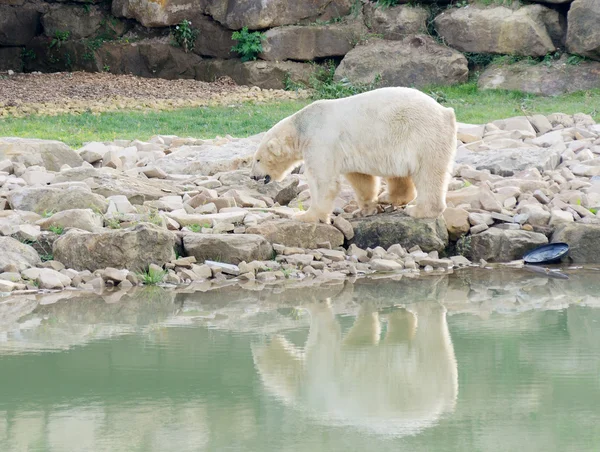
[[194, 227], [56, 229], [438, 96], [47, 257], [479, 59], [155, 218], [48, 213], [59, 38], [575, 60], [151, 277], [113, 223], [185, 36], [467, 184], [286, 272], [28, 55], [106, 68], [324, 85], [386, 3], [249, 44], [594, 210]]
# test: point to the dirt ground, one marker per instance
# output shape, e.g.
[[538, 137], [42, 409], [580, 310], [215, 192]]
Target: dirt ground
[[63, 92]]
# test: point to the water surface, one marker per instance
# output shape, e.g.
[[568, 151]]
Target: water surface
[[475, 361]]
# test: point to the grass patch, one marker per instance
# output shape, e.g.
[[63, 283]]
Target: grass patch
[[205, 122], [152, 277], [471, 105], [56, 229]]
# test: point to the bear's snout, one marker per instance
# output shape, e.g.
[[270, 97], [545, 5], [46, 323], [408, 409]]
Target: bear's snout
[[267, 179]]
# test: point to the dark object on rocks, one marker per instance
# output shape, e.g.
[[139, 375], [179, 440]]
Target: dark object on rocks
[[551, 253]]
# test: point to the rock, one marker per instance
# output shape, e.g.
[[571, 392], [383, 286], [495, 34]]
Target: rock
[[583, 240], [115, 275], [84, 219], [46, 199], [306, 43], [537, 215], [386, 230], [583, 36], [416, 61], [18, 24], [502, 30], [109, 182], [558, 77], [51, 279], [228, 269], [30, 152], [29, 232], [396, 22], [559, 217], [7, 286], [227, 248], [297, 234], [260, 15], [386, 265], [264, 74], [10, 59], [500, 245], [133, 248], [457, 222], [209, 159], [13, 252], [287, 194], [507, 162], [79, 22], [344, 225], [213, 39]]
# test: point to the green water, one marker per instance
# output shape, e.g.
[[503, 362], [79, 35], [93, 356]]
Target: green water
[[477, 361]]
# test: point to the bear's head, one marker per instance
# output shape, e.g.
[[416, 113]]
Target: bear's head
[[275, 157]]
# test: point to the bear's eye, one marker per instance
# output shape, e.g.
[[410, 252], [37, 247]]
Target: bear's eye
[[258, 161]]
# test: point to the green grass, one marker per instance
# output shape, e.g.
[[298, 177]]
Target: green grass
[[471, 106], [152, 277]]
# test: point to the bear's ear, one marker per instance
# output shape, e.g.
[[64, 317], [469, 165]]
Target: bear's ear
[[274, 147]]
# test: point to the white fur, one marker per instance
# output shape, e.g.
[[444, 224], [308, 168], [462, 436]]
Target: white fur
[[389, 132]]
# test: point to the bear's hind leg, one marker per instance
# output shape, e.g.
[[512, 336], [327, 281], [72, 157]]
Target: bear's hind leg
[[400, 191], [366, 188], [432, 183]]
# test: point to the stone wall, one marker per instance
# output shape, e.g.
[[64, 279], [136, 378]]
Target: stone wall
[[417, 44]]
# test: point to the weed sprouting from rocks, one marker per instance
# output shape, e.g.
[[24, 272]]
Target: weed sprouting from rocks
[[56, 229], [185, 36], [249, 44], [151, 277]]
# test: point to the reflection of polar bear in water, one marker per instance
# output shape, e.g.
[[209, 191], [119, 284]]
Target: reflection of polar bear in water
[[397, 385]]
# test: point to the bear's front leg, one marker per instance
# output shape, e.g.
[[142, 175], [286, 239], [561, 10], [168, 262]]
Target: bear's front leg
[[323, 190]]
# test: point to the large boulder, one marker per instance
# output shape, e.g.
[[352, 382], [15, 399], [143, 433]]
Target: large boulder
[[264, 74], [583, 240], [500, 245], [507, 162], [14, 252], [80, 22], [415, 61], [32, 152], [386, 230], [234, 14], [297, 234], [209, 159], [228, 248], [53, 199], [214, 40], [552, 79], [84, 219], [530, 30], [10, 59], [306, 43], [583, 36], [260, 14], [396, 22], [18, 24], [110, 182], [134, 248]]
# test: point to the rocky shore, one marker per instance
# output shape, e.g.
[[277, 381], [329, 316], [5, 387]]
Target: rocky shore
[[179, 211]]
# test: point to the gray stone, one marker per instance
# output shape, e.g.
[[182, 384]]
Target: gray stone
[[78, 21], [583, 240], [297, 234], [386, 230], [498, 245], [30, 152], [18, 254], [502, 30], [416, 61], [18, 24], [507, 162], [396, 22], [84, 219], [227, 248], [45, 199], [133, 248], [386, 265], [344, 225], [583, 36]]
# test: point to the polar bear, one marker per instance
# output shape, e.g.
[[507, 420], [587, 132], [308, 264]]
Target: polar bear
[[400, 134]]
